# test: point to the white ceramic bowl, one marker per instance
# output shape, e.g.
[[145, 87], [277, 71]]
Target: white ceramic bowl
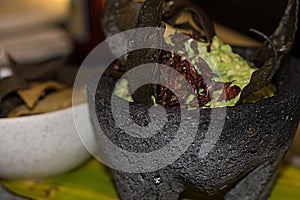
[[44, 145]]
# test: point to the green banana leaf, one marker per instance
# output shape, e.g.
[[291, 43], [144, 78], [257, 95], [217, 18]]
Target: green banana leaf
[[93, 181], [287, 185], [89, 182]]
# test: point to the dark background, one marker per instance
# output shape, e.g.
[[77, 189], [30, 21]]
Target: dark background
[[241, 15]]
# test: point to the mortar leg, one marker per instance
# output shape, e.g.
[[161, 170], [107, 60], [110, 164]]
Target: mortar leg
[[255, 186], [150, 186]]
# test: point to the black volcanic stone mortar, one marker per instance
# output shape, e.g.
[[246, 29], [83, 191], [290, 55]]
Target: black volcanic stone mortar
[[243, 163]]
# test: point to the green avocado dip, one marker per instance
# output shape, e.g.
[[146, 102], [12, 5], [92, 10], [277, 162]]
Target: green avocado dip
[[227, 67]]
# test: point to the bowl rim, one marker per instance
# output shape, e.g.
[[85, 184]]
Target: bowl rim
[[43, 115]]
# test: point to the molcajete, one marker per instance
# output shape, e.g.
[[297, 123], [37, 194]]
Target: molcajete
[[242, 162]]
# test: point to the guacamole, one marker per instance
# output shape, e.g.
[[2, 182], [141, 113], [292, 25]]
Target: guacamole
[[226, 66]]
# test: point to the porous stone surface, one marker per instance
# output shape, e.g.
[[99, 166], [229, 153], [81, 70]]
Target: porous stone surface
[[243, 163]]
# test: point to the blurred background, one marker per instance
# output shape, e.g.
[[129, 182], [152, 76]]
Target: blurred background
[[30, 30], [262, 15], [34, 30]]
